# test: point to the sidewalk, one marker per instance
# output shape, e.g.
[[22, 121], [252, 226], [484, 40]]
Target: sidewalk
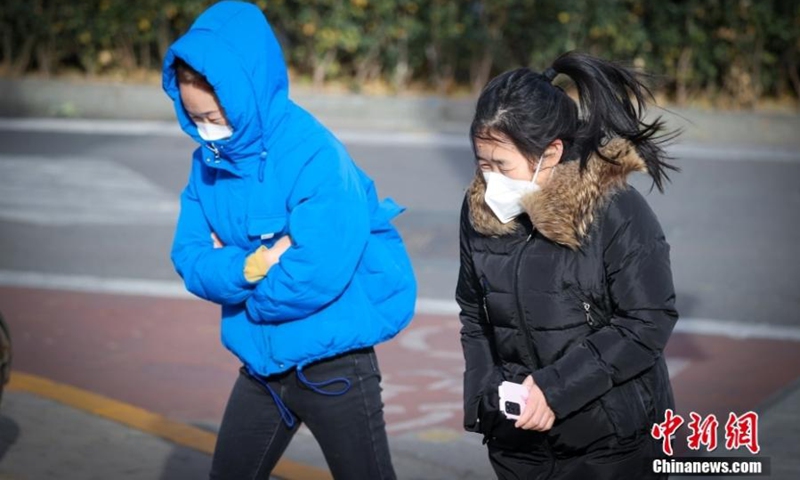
[[41, 439], [92, 447], [104, 445]]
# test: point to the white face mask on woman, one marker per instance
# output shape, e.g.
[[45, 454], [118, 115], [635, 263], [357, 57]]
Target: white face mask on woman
[[211, 132], [503, 194]]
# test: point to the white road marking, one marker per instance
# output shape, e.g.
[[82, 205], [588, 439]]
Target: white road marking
[[441, 406], [93, 284], [430, 306], [93, 127], [416, 340], [393, 409], [424, 421], [69, 191], [676, 365], [175, 289]]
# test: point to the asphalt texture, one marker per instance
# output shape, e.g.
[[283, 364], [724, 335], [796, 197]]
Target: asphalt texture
[[110, 202]]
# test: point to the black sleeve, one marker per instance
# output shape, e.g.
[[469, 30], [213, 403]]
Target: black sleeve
[[639, 277], [482, 375]]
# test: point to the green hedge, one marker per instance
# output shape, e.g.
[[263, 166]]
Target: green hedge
[[737, 50]]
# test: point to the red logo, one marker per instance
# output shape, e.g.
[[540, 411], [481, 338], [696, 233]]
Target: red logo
[[704, 432], [665, 431], [742, 431]]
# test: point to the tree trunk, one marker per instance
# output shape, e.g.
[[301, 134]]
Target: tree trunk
[[758, 87], [8, 51], [684, 69], [794, 76], [321, 68], [448, 78], [88, 60], [432, 56], [144, 55], [20, 65], [402, 72], [369, 65], [374, 73], [126, 52], [441, 72], [481, 69], [44, 58], [163, 39]]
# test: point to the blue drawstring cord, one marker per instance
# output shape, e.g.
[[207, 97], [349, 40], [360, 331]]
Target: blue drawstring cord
[[286, 414], [317, 386]]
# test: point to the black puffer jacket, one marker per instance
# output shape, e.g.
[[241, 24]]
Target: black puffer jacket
[[579, 293]]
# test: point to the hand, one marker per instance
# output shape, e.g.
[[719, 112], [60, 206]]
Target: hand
[[216, 240], [273, 255], [537, 414]]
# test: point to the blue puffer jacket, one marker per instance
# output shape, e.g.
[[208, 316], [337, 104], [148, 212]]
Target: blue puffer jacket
[[347, 281]]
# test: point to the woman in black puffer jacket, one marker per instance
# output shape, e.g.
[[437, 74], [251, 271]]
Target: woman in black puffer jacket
[[565, 283]]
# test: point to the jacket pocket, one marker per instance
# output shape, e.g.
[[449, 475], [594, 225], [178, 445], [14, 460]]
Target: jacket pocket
[[626, 409], [582, 428], [594, 316]]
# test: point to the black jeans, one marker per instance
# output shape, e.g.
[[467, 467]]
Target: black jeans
[[350, 428]]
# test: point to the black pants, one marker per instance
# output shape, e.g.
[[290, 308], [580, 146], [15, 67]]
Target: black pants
[[606, 460], [349, 428]]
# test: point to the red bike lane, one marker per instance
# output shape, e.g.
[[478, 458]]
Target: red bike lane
[[164, 355]]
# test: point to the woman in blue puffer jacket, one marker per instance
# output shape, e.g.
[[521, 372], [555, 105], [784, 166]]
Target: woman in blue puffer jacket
[[286, 233]]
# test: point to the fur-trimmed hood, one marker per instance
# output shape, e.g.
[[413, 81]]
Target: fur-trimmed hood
[[564, 209]]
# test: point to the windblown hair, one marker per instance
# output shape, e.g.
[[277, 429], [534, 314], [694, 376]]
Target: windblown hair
[[525, 107]]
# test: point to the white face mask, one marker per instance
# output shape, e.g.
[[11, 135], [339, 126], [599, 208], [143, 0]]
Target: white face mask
[[503, 194], [212, 132]]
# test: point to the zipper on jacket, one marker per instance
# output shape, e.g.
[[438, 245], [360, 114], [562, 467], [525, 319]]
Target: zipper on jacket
[[485, 287], [587, 308], [529, 343], [521, 311], [595, 317], [214, 149]]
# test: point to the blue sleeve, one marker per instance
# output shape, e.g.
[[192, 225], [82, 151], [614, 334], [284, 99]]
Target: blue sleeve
[[329, 227], [216, 275]]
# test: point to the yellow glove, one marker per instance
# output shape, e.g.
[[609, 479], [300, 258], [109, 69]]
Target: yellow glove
[[255, 265]]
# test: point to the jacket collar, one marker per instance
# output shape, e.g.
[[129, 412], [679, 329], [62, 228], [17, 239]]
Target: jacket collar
[[564, 209]]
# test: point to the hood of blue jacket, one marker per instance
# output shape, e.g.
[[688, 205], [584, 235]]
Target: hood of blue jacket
[[234, 47]]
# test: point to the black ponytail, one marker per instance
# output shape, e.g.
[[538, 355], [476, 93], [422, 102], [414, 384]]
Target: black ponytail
[[525, 107]]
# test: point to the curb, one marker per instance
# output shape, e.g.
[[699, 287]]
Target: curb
[[144, 421]]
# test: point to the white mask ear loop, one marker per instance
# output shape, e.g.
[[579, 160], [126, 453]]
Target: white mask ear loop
[[538, 166]]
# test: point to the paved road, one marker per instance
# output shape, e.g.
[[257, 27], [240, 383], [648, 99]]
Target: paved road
[[95, 212], [104, 205]]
